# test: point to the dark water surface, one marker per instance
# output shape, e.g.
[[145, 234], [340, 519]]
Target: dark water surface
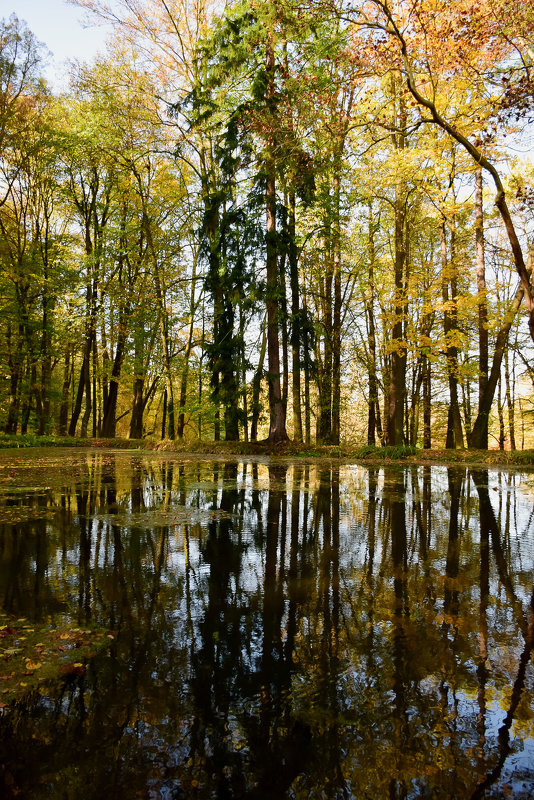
[[280, 630]]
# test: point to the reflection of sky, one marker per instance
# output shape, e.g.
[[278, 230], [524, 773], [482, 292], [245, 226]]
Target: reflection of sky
[[434, 652]]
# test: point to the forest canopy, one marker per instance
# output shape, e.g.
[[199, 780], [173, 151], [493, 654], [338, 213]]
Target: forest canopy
[[273, 220]]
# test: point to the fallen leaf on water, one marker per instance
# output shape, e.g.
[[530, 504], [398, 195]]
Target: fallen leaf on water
[[72, 669]]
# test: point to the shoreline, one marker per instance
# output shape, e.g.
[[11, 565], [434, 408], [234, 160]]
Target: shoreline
[[293, 451]]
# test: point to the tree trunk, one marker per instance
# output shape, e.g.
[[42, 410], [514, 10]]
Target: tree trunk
[[110, 411], [256, 387], [277, 430], [509, 401], [476, 439], [371, 334], [138, 405], [483, 357], [84, 382], [43, 422], [15, 360], [283, 322], [136, 419], [500, 411], [336, 320], [64, 407], [295, 321], [448, 273], [427, 403], [87, 386], [324, 363], [397, 376], [189, 345], [164, 413], [162, 320]]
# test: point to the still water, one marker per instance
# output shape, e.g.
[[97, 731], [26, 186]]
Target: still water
[[276, 630]]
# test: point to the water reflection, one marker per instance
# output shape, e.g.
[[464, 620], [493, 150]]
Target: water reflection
[[294, 631]]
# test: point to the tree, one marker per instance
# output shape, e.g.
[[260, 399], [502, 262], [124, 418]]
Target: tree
[[428, 58]]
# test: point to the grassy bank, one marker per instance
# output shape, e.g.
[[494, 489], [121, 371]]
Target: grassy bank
[[345, 452]]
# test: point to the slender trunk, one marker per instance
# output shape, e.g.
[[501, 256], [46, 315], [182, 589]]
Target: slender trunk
[[256, 387], [138, 404], [243, 376], [277, 431], [163, 327], [187, 356], [397, 376], [164, 413], [64, 407], [483, 357], [307, 370], [84, 370], [509, 401], [295, 321], [96, 403], [500, 411], [110, 411], [454, 421], [87, 386], [427, 407], [371, 330], [466, 392], [283, 320], [43, 422], [476, 439], [336, 321], [324, 372], [15, 357]]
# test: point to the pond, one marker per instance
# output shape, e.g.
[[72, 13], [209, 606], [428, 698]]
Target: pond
[[270, 629]]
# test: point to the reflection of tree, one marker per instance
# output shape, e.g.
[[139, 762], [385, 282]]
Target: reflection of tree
[[395, 482], [489, 527], [296, 640], [452, 595]]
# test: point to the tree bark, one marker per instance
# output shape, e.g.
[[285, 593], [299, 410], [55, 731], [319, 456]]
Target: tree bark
[[476, 439], [509, 401], [371, 331], [277, 430], [397, 376], [336, 320], [187, 355], [295, 321], [483, 352], [64, 407], [448, 274], [109, 418], [256, 387]]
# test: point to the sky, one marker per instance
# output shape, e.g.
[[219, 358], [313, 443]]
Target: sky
[[59, 27]]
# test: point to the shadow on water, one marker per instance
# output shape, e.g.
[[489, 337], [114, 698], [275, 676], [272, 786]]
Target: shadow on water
[[278, 631]]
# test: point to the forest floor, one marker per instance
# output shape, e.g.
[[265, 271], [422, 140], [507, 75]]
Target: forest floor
[[290, 450]]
